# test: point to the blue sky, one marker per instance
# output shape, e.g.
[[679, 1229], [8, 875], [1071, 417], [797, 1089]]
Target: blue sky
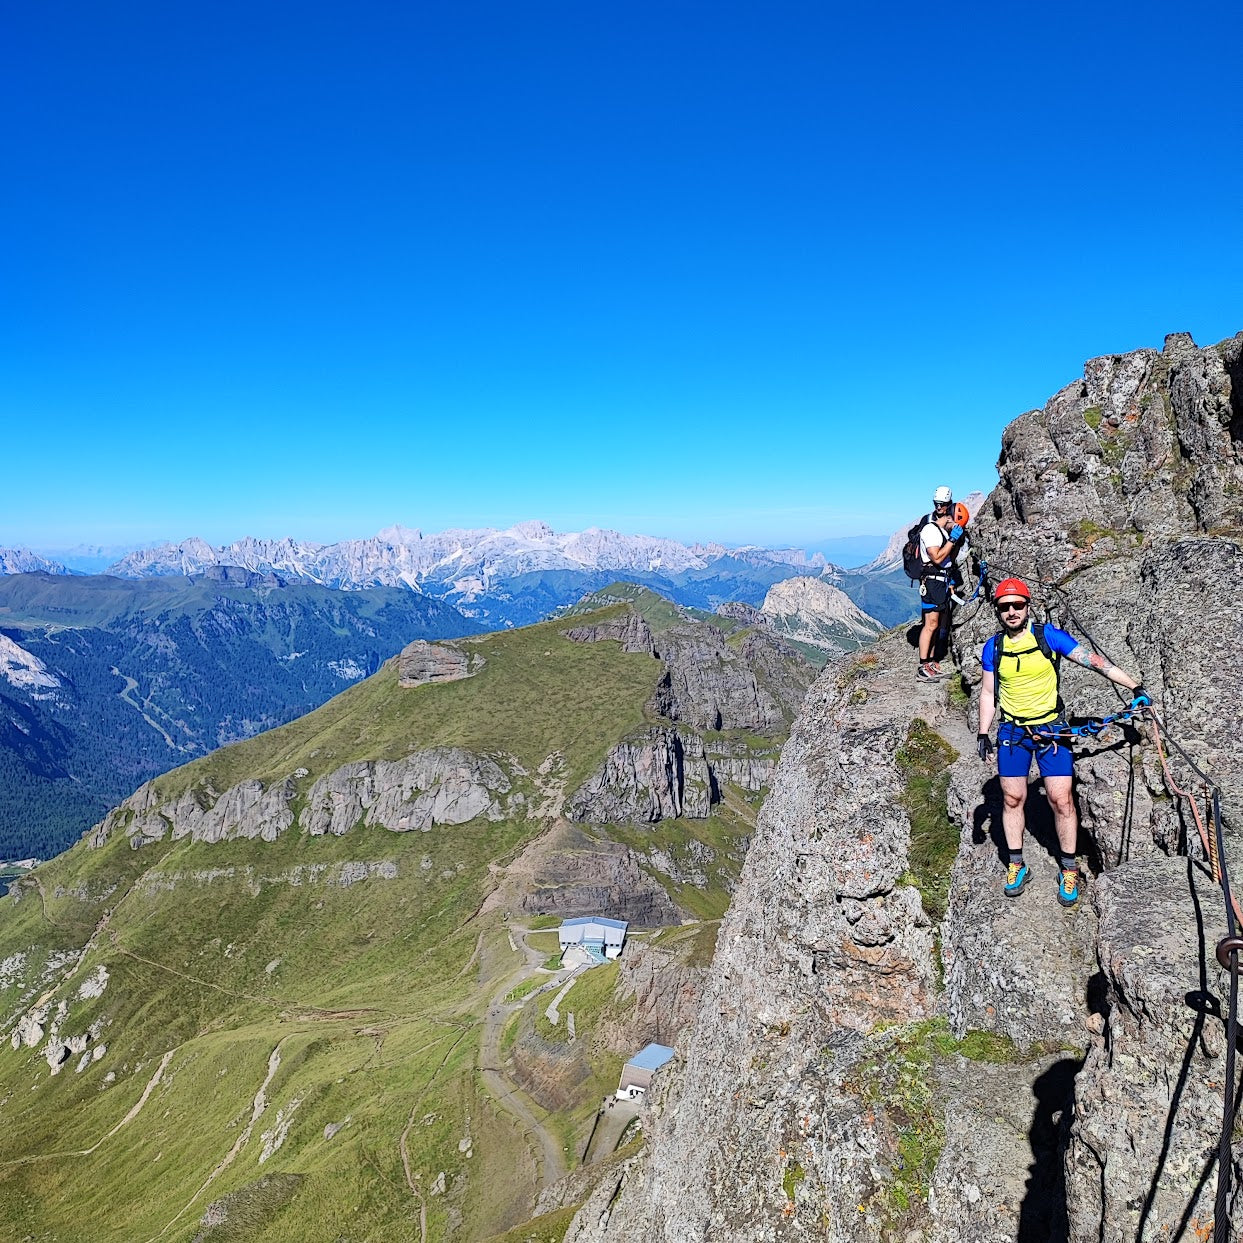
[[756, 273]]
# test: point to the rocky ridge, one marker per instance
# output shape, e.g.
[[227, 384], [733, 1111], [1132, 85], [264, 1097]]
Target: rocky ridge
[[23, 561], [1064, 1079], [741, 694]]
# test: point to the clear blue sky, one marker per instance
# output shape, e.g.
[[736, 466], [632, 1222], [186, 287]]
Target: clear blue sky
[[755, 272]]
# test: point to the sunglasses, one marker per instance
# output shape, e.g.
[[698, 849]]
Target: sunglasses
[[1012, 606]]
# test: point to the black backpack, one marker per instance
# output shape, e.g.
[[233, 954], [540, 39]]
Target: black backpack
[[913, 564], [1042, 646]]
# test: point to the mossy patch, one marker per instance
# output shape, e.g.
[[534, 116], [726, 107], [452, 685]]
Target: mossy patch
[[923, 760], [239, 1214], [1085, 533], [790, 1180], [1092, 417], [898, 1083], [549, 1228]]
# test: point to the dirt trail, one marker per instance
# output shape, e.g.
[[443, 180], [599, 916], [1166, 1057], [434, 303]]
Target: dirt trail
[[131, 685], [507, 1093], [403, 1144], [133, 1113]]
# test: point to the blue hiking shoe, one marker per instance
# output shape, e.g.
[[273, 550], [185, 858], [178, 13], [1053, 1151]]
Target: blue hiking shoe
[[1068, 888], [1017, 876]]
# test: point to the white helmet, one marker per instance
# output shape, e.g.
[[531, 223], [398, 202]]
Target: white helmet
[[942, 496]]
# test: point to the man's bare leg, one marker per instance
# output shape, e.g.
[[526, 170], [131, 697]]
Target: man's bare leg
[[1013, 819], [1065, 818], [927, 636]]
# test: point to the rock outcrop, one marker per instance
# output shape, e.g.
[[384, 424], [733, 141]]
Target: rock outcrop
[[814, 612], [629, 629], [1066, 1079], [657, 775], [1148, 1102], [441, 785], [712, 684], [582, 874], [421, 662]]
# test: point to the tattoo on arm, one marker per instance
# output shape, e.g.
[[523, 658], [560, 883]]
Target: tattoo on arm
[[1090, 660]]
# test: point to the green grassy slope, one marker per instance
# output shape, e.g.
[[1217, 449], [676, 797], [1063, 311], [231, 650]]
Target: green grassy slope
[[369, 994], [346, 978], [537, 693]]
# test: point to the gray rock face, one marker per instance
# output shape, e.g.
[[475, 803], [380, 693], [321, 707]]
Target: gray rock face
[[665, 988], [1127, 491], [813, 611], [822, 943], [443, 785], [711, 685], [247, 810], [1006, 960], [1148, 1101], [630, 630], [421, 662], [657, 775], [587, 874], [737, 610]]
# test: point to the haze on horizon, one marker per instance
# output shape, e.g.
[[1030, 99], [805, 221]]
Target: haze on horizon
[[754, 277]]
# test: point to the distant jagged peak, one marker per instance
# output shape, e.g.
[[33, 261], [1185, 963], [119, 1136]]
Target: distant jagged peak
[[23, 561], [189, 556], [436, 561], [533, 529], [815, 601], [397, 534]]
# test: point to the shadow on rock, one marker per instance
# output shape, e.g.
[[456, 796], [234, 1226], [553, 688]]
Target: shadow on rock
[[1204, 1003], [1042, 1215], [987, 822]]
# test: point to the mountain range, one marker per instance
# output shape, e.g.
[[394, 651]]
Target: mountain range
[[515, 576]]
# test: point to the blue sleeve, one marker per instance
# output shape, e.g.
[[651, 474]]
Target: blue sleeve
[[987, 658], [1059, 641]]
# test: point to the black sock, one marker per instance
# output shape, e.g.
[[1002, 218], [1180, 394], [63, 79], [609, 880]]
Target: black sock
[[1016, 856], [1069, 863]]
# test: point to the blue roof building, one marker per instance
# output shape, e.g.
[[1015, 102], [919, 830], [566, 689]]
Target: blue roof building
[[636, 1076], [601, 938]]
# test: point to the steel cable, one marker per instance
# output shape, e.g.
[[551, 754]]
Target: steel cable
[[1229, 948]]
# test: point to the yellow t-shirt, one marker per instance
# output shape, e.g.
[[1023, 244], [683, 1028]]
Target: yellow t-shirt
[[1026, 677]]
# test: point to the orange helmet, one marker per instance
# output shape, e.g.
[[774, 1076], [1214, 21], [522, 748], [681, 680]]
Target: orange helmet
[[962, 515], [1012, 587]]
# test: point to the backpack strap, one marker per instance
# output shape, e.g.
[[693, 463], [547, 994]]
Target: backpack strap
[[996, 644], [1054, 658]]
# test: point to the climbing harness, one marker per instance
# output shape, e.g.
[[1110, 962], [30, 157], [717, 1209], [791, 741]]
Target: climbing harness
[[1212, 842]]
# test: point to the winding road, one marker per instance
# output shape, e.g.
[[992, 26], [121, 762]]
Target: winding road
[[508, 1094]]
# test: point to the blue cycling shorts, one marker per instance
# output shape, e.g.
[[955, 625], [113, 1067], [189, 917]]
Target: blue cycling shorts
[[1016, 747]]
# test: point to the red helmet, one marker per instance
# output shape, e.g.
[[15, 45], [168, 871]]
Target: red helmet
[[1012, 587]]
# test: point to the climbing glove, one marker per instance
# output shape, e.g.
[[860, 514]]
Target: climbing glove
[[1142, 699], [956, 531], [984, 745]]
